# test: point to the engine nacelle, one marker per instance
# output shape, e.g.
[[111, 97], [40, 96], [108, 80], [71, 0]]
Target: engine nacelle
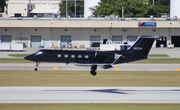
[[107, 57]]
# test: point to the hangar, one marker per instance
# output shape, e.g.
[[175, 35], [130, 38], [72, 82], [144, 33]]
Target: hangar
[[81, 32], [54, 32]]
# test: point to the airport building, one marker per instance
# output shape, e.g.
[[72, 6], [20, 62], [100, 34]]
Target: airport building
[[82, 32], [24, 8]]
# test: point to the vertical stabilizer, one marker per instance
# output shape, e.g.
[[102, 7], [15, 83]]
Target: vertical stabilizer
[[142, 46]]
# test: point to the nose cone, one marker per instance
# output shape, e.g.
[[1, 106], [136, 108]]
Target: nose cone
[[29, 57]]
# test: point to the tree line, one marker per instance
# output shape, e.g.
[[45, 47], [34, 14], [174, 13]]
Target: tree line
[[2, 5], [131, 8], [125, 8]]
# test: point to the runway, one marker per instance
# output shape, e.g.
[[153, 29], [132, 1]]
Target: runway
[[89, 94], [119, 67]]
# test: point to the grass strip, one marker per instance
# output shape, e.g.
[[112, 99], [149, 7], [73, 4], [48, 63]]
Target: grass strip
[[160, 61], [13, 60], [89, 106], [83, 78], [158, 55], [18, 55]]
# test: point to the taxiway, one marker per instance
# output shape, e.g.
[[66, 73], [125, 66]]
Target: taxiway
[[119, 67], [89, 94]]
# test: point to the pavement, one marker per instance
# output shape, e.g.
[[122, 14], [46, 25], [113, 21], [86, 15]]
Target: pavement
[[89, 94], [62, 66]]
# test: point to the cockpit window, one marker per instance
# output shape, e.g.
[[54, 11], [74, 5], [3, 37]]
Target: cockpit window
[[39, 53]]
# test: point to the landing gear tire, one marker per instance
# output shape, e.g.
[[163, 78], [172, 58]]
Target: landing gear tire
[[35, 69], [93, 72]]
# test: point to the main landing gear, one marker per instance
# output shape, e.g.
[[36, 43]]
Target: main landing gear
[[93, 70], [36, 68]]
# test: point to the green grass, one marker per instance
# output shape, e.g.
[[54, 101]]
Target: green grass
[[89, 106], [158, 55], [160, 60], [13, 60], [18, 55], [83, 78]]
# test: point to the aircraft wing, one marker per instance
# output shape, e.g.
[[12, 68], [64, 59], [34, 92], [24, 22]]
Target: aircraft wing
[[90, 64], [103, 65]]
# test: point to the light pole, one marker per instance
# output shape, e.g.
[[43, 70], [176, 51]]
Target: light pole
[[66, 9], [122, 11], [75, 8]]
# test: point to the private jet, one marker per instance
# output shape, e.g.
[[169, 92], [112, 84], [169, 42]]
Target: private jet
[[93, 58]]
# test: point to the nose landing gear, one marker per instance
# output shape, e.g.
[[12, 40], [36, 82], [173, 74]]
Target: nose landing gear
[[37, 64]]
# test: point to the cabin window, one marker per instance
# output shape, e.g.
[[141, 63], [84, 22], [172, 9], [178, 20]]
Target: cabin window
[[86, 56], [72, 56], [59, 55], [65, 55], [39, 53], [79, 56]]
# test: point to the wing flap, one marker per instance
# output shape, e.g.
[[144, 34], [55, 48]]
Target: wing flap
[[90, 64], [106, 66]]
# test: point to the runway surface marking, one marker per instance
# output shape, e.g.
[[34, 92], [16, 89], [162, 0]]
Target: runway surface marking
[[55, 68], [177, 69], [89, 94]]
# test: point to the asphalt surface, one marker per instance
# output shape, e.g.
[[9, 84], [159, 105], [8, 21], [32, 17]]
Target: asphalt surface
[[89, 94], [62, 66]]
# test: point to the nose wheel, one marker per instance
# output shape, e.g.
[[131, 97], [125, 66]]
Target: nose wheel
[[93, 70], [37, 64]]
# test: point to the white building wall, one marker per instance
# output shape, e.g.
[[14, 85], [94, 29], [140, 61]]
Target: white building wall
[[87, 5], [174, 8], [46, 6], [82, 35], [17, 8], [21, 6]]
